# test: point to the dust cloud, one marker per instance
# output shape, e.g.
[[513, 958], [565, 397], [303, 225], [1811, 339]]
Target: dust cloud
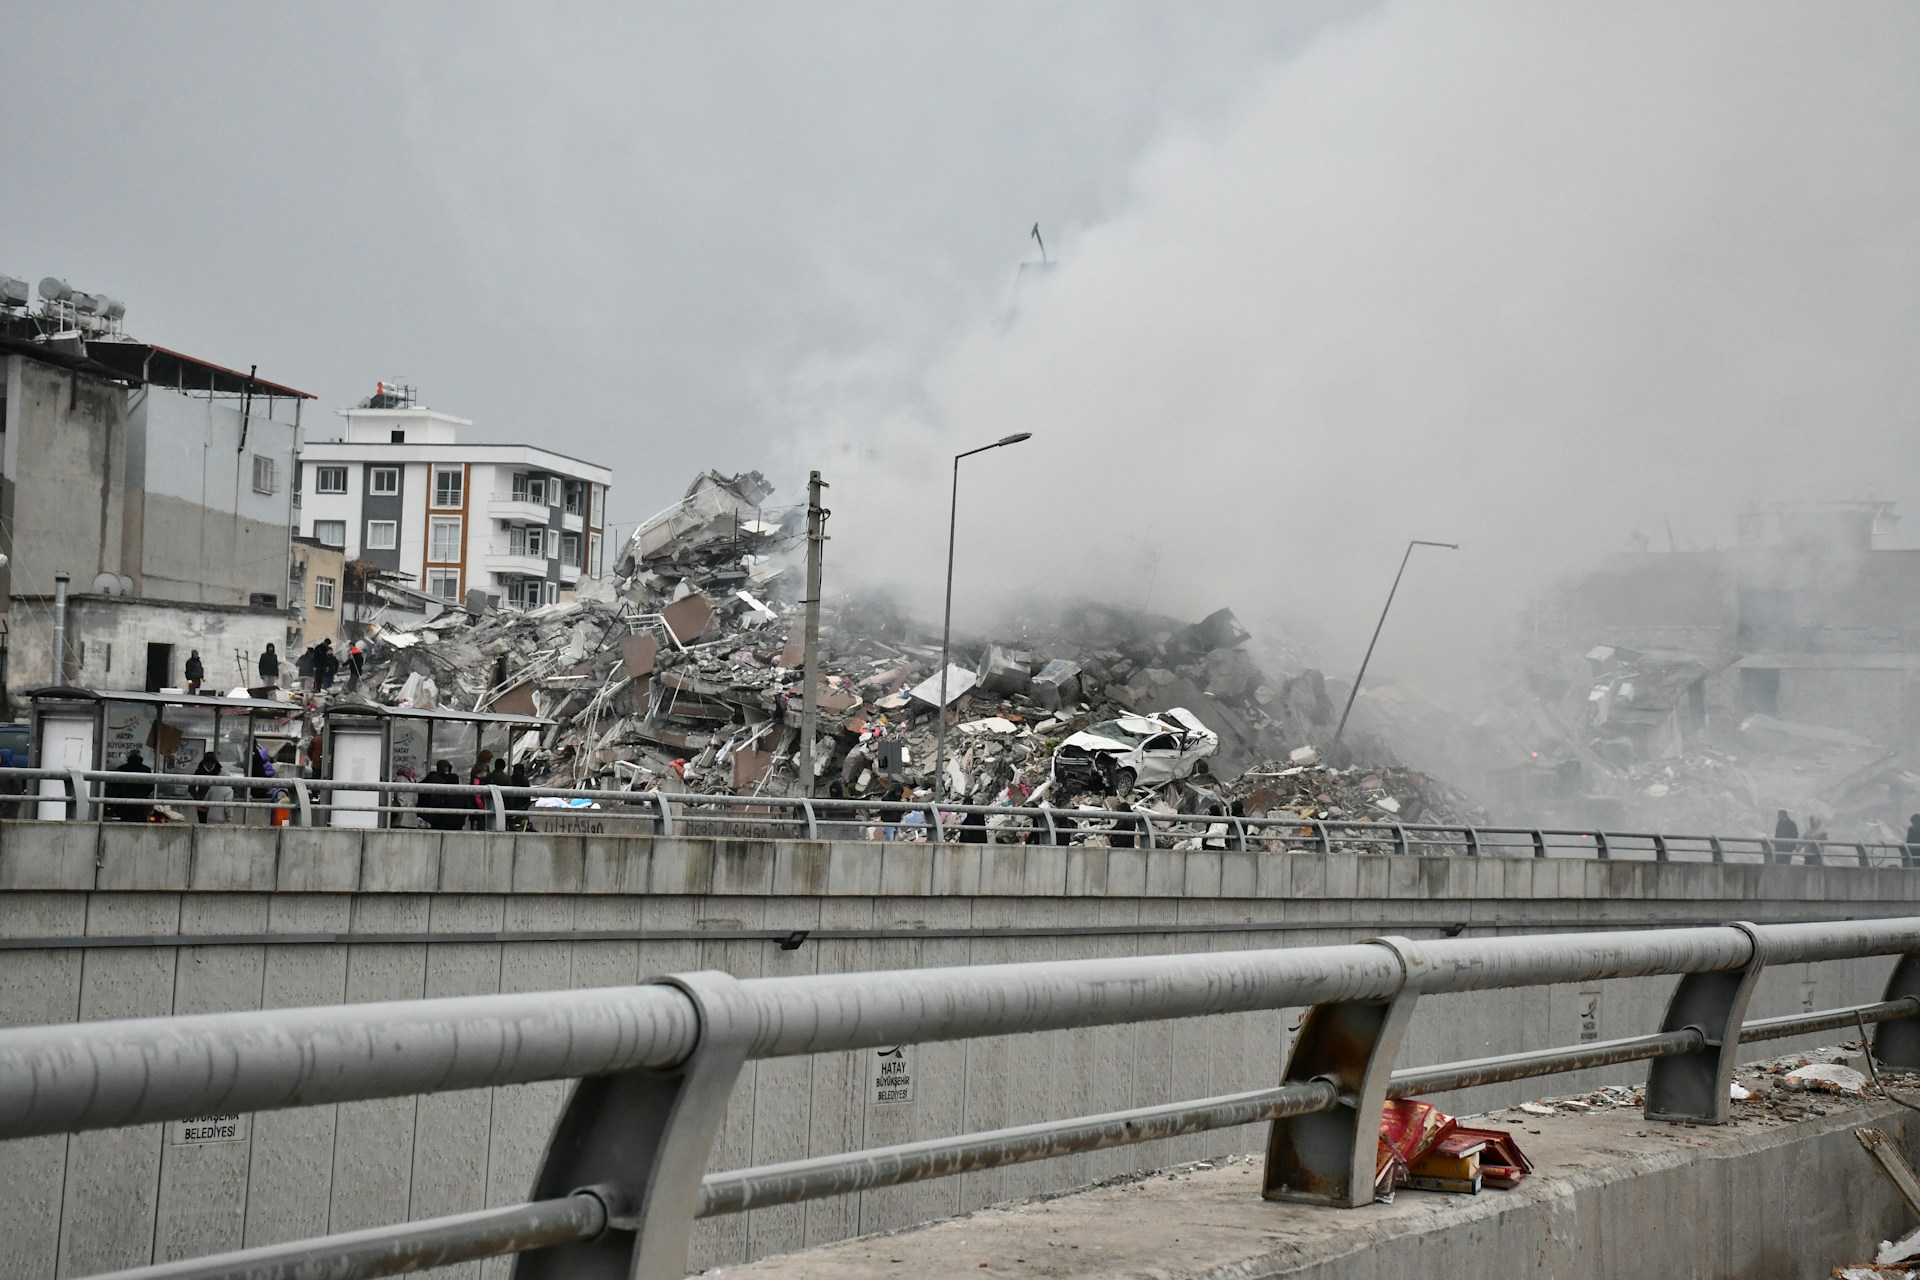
[[1525, 278]]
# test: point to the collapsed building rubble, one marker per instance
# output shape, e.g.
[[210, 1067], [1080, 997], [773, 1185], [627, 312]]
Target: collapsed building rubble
[[690, 678]]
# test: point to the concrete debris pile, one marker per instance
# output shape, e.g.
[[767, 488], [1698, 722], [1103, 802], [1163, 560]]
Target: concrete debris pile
[[1303, 786], [1670, 741], [690, 678]]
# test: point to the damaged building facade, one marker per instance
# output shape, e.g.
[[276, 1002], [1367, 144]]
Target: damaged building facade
[[160, 483], [1781, 672]]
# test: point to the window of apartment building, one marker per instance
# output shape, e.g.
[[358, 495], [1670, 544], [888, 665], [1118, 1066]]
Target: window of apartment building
[[383, 535], [528, 488], [448, 484], [570, 550], [443, 584], [443, 542], [383, 481], [323, 592], [576, 504], [262, 473], [526, 540], [330, 533], [523, 593], [593, 554], [329, 479], [553, 593]]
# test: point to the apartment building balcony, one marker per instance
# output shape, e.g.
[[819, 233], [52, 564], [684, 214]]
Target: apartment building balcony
[[572, 521], [513, 557], [519, 508]]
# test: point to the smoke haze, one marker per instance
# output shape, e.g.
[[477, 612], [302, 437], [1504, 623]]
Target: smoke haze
[[1526, 278]]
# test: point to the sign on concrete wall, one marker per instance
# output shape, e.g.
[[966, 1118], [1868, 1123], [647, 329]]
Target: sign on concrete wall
[[890, 1075], [202, 1130], [1589, 1016]]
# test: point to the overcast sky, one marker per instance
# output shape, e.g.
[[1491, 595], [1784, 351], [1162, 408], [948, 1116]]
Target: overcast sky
[[614, 229], [1330, 275]]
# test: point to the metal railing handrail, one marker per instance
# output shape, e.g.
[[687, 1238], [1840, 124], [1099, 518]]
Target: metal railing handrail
[[624, 1175], [670, 812]]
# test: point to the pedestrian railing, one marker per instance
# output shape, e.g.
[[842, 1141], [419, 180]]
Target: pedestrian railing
[[624, 1174], [297, 801]]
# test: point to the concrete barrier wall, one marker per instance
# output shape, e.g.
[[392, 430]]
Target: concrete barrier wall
[[107, 922]]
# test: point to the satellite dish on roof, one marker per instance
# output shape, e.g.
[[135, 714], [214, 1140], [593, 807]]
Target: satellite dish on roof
[[106, 584], [54, 289], [126, 585]]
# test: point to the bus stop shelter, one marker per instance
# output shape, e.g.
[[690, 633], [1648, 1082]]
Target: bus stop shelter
[[96, 729], [366, 742]]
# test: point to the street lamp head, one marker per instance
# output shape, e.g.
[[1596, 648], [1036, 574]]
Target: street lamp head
[[1016, 438]]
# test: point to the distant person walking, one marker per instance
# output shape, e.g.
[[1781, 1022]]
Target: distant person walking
[[446, 807], [1786, 836], [134, 791], [209, 767], [1811, 840], [270, 666], [1913, 840], [196, 672]]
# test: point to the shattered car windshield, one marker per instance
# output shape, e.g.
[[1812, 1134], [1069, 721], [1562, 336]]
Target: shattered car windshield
[[1118, 732]]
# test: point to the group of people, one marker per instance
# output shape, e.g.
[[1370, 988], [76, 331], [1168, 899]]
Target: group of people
[[318, 667], [467, 807], [1789, 839], [132, 799]]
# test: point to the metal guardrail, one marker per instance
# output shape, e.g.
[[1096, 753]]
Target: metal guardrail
[[329, 802], [624, 1174]]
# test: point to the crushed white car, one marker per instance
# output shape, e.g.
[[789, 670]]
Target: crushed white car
[[1117, 756]]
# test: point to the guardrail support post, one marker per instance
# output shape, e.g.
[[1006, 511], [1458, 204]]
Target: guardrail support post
[[1897, 1043], [1328, 1157], [496, 809], [82, 807], [1600, 845], [662, 825], [1326, 841], [303, 800], [1473, 842], [1692, 1088], [813, 823], [1719, 854], [640, 1140], [1659, 848], [1539, 843]]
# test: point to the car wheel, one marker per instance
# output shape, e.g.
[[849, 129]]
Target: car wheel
[[1124, 781]]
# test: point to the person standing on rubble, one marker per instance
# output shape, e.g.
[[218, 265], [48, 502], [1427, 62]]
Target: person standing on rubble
[[1125, 825], [138, 791], [356, 665], [196, 671], [1786, 836], [1913, 840], [270, 666]]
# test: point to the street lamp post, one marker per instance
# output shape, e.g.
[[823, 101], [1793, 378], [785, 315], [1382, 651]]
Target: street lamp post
[[946, 627], [1355, 691]]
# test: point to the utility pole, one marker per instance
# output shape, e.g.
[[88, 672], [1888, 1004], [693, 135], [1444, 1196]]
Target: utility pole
[[810, 679]]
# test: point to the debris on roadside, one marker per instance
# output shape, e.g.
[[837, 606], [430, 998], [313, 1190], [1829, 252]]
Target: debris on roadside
[[1424, 1148]]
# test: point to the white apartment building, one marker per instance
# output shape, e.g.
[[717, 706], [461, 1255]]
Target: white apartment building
[[402, 492]]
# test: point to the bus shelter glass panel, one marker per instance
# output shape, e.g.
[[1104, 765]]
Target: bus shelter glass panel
[[457, 741], [497, 739], [182, 739], [407, 749], [128, 728]]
